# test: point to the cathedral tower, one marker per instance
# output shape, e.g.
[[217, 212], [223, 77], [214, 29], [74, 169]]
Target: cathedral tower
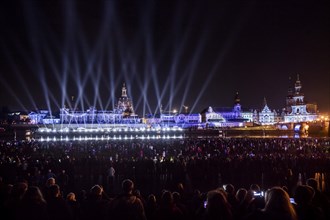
[[296, 107], [289, 98], [125, 104]]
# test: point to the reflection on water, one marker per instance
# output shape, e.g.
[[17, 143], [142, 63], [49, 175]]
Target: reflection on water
[[295, 135], [146, 135], [107, 137], [48, 137]]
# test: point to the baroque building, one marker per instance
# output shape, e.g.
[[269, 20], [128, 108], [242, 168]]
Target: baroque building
[[122, 113], [297, 109], [227, 117], [125, 104], [266, 116]]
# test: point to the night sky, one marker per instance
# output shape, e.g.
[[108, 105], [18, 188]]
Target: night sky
[[170, 53]]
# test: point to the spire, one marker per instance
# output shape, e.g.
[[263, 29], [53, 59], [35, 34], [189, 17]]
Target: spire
[[290, 91], [73, 102], [124, 91], [237, 99], [265, 107], [297, 85]]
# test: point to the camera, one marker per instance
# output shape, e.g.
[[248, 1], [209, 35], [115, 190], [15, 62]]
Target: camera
[[258, 194], [292, 201]]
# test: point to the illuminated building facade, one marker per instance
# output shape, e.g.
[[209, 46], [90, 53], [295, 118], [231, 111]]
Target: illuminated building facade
[[227, 117], [213, 118], [297, 110], [172, 119], [266, 116], [123, 113], [43, 117]]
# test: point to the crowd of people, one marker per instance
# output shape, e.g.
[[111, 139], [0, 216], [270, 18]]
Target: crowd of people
[[164, 179]]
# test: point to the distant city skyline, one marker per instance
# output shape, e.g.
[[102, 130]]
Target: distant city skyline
[[178, 54]]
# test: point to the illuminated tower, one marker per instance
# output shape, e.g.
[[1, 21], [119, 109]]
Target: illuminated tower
[[298, 97], [289, 98], [125, 104], [296, 106], [299, 105], [237, 105], [124, 91]]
